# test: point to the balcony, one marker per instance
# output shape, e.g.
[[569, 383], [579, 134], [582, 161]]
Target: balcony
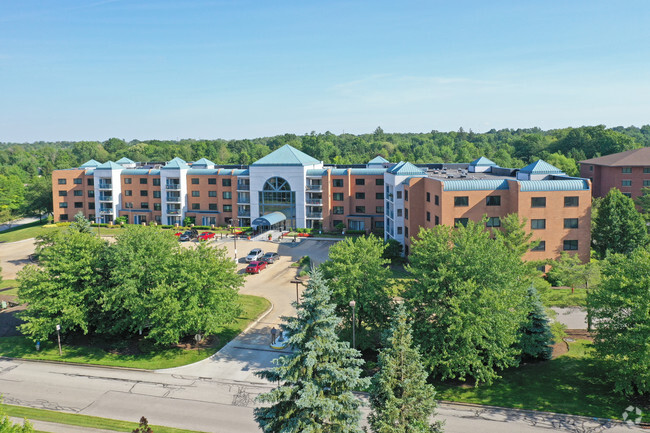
[[173, 211], [173, 199], [314, 201], [173, 186], [243, 187], [315, 215], [314, 187], [243, 213], [105, 197], [106, 211], [105, 185], [243, 199]]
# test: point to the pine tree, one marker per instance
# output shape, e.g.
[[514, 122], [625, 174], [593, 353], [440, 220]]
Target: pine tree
[[536, 335], [316, 381], [400, 398]]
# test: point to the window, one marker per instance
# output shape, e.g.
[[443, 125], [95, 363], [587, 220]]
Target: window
[[591, 168], [226, 182], [646, 183], [156, 181], [337, 196], [406, 196], [571, 201], [156, 194], [626, 170], [406, 232], [337, 210], [62, 181], [212, 206], [493, 222], [436, 200], [91, 193], [379, 209], [338, 183], [227, 208], [144, 193], [78, 193], [143, 181], [128, 205], [493, 200], [195, 181], [63, 193], [436, 220], [90, 182], [399, 212], [627, 194], [64, 217], [570, 223], [379, 224], [77, 181], [379, 195], [379, 182], [337, 222], [399, 230], [399, 194], [461, 201], [63, 205], [127, 180], [78, 205], [538, 202], [227, 195], [462, 221], [360, 209], [539, 224], [144, 205], [212, 193], [212, 181], [360, 196], [541, 246], [428, 216], [196, 193], [91, 206], [156, 206], [571, 245], [429, 197], [406, 214], [128, 193], [359, 181], [646, 170], [626, 183], [196, 206]]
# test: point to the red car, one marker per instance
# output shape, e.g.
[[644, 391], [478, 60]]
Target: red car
[[255, 267], [205, 236]]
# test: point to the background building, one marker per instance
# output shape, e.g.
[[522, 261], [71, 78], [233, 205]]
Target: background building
[[628, 171]]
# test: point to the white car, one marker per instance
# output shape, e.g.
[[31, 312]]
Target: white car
[[255, 254]]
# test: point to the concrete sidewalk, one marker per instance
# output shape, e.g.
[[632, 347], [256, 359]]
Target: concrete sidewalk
[[52, 427], [17, 223]]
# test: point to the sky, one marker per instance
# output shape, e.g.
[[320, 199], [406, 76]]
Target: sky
[[162, 69]]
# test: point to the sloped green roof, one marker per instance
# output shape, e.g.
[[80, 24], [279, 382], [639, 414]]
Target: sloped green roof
[[203, 161], [482, 161], [109, 165], [287, 155], [475, 185], [540, 167], [176, 163], [317, 172], [125, 160], [377, 160], [554, 185], [406, 169], [90, 163]]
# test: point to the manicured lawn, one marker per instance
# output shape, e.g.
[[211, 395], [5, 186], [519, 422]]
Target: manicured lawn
[[82, 420], [5, 284], [574, 383], [556, 297], [25, 232], [22, 347]]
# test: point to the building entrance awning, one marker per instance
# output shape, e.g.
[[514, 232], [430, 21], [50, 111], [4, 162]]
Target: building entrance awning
[[269, 219]]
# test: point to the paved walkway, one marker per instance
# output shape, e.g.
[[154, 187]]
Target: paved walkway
[[52, 427], [16, 223]]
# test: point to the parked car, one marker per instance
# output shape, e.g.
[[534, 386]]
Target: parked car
[[255, 267], [188, 235], [255, 254], [270, 257], [206, 236]]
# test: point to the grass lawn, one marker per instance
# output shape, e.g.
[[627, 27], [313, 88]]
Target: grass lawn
[[574, 383], [12, 285], [82, 420], [22, 347], [556, 297], [25, 232]]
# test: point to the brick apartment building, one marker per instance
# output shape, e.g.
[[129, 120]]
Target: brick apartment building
[[288, 188], [628, 171]]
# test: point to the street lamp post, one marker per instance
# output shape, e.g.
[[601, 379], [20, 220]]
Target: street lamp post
[[354, 342], [58, 337], [297, 282]]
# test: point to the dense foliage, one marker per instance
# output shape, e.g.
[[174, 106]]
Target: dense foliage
[[144, 282], [315, 382], [536, 337]]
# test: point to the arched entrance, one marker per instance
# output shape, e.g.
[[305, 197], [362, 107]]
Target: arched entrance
[[276, 196]]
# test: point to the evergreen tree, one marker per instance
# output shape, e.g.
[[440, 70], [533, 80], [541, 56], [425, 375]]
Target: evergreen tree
[[400, 398], [80, 223], [317, 379], [618, 227], [536, 336]]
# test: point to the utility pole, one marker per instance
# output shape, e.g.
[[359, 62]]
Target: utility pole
[[58, 337]]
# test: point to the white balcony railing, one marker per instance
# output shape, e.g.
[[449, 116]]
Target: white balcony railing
[[173, 186], [314, 214], [314, 187], [173, 199]]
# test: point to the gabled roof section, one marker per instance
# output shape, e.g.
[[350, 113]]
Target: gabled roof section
[[634, 157], [109, 165], [475, 185], [483, 161], [540, 167], [287, 155], [378, 160], [406, 169], [203, 161], [176, 164], [554, 185], [90, 164], [125, 160]]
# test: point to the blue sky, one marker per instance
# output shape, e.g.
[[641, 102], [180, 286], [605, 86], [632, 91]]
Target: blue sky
[[91, 70]]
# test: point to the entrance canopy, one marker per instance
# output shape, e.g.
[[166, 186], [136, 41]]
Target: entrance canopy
[[270, 219]]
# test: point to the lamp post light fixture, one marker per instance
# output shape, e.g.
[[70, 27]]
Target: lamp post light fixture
[[58, 337], [297, 282], [353, 304]]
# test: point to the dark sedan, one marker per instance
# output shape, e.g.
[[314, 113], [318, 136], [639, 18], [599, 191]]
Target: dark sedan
[[270, 257]]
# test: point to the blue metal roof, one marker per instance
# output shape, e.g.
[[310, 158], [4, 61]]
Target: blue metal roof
[[287, 155], [269, 219], [339, 171], [377, 160], [475, 185], [367, 171], [406, 169], [125, 160], [554, 185], [203, 161], [176, 164], [316, 172], [241, 172], [540, 167], [90, 163], [141, 171], [109, 165], [482, 161], [203, 171]]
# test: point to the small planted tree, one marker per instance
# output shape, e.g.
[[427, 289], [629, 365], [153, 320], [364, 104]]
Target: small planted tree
[[536, 335], [316, 381], [400, 398], [81, 224]]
